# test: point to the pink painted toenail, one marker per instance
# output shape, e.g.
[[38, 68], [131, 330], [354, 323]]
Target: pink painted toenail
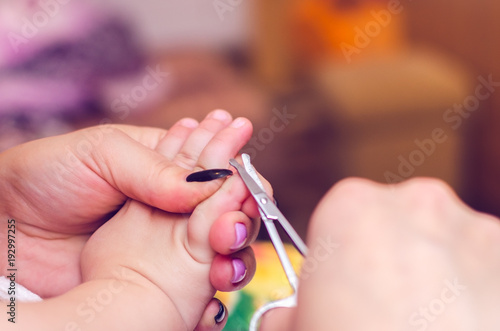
[[239, 271], [240, 231]]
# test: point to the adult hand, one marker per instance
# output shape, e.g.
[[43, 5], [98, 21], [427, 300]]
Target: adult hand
[[61, 189], [410, 256]]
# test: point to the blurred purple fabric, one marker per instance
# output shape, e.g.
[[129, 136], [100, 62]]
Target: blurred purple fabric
[[54, 57]]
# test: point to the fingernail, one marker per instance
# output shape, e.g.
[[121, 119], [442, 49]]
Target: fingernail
[[241, 236], [239, 271], [208, 175], [238, 123], [219, 114], [221, 314]]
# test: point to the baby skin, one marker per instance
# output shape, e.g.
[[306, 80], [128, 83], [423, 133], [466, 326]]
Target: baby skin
[[178, 259], [147, 268]]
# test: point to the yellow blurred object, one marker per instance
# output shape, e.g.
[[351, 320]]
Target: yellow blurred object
[[268, 284]]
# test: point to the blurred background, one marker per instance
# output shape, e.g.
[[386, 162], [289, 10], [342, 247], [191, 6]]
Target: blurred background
[[383, 89]]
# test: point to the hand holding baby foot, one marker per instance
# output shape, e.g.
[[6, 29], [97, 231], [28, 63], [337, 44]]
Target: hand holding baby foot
[[61, 189], [177, 257]]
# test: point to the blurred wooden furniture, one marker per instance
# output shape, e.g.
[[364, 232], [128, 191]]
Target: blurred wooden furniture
[[469, 30], [391, 116]]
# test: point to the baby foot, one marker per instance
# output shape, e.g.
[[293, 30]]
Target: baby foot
[[184, 257]]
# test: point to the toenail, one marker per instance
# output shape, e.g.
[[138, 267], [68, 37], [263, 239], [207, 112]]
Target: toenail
[[239, 271], [221, 314], [219, 115], [238, 123], [240, 231], [189, 123]]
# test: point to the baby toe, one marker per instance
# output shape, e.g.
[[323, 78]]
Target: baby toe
[[214, 317], [232, 272], [232, 232]]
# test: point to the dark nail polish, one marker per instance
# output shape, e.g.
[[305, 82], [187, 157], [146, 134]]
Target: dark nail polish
[[207, 175], [221, 314]]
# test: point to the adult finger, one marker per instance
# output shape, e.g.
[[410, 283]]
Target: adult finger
[[147, 136], [139, 172]]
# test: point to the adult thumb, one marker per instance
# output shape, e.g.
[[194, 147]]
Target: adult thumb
[[145, 175]]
